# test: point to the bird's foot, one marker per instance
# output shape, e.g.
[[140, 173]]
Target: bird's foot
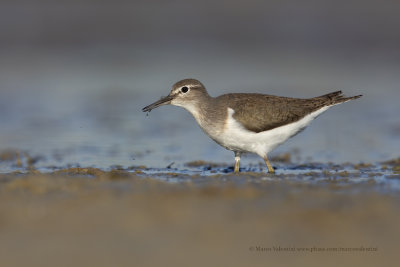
[[270, 168], [237, 160]]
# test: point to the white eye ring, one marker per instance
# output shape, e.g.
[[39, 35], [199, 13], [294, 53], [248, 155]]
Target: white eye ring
[[184, 89]]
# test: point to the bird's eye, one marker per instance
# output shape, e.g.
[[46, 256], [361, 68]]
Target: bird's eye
[[184, 89]]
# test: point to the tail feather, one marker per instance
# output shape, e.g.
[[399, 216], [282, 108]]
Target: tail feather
[[336, 98]]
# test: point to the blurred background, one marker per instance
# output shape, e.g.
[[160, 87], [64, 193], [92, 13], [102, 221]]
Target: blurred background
[[74, 75]]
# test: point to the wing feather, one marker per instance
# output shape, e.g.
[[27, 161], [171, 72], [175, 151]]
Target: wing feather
[[258, 112]]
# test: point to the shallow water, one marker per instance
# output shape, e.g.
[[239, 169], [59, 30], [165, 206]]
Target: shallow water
[[383, 177], [69, 110], [379, 178]]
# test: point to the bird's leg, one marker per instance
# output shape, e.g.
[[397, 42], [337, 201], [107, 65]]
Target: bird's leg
[[270, 169], [237, 159]]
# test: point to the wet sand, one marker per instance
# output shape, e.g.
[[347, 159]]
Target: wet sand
[[125, 217]]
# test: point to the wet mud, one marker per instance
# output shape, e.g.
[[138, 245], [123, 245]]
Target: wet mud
[[313, 214]]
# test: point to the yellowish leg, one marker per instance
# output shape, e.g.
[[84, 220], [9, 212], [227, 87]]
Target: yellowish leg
[[270, 169], [237, 160]]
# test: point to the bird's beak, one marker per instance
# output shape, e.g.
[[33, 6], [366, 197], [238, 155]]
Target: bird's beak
[[163, 101]]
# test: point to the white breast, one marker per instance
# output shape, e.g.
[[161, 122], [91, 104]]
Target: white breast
[[235, 137]]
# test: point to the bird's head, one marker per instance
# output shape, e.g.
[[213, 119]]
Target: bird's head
[[184, 93]]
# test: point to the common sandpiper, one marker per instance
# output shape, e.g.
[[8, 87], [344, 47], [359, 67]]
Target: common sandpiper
[[244, 122]]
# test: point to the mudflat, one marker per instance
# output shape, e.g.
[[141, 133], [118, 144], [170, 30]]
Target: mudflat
[[135, 216]]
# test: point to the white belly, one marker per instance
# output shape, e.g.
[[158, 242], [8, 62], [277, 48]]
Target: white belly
[[235, 137]]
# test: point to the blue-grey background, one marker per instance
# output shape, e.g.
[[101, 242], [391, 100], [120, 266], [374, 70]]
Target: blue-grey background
[[74, 76]]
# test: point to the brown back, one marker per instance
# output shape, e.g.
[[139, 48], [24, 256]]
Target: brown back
[[259, 112]]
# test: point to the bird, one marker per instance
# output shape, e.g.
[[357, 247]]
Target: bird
[[248, 122]]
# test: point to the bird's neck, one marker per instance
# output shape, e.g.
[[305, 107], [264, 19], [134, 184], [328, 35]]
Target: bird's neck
[[208, 114]]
